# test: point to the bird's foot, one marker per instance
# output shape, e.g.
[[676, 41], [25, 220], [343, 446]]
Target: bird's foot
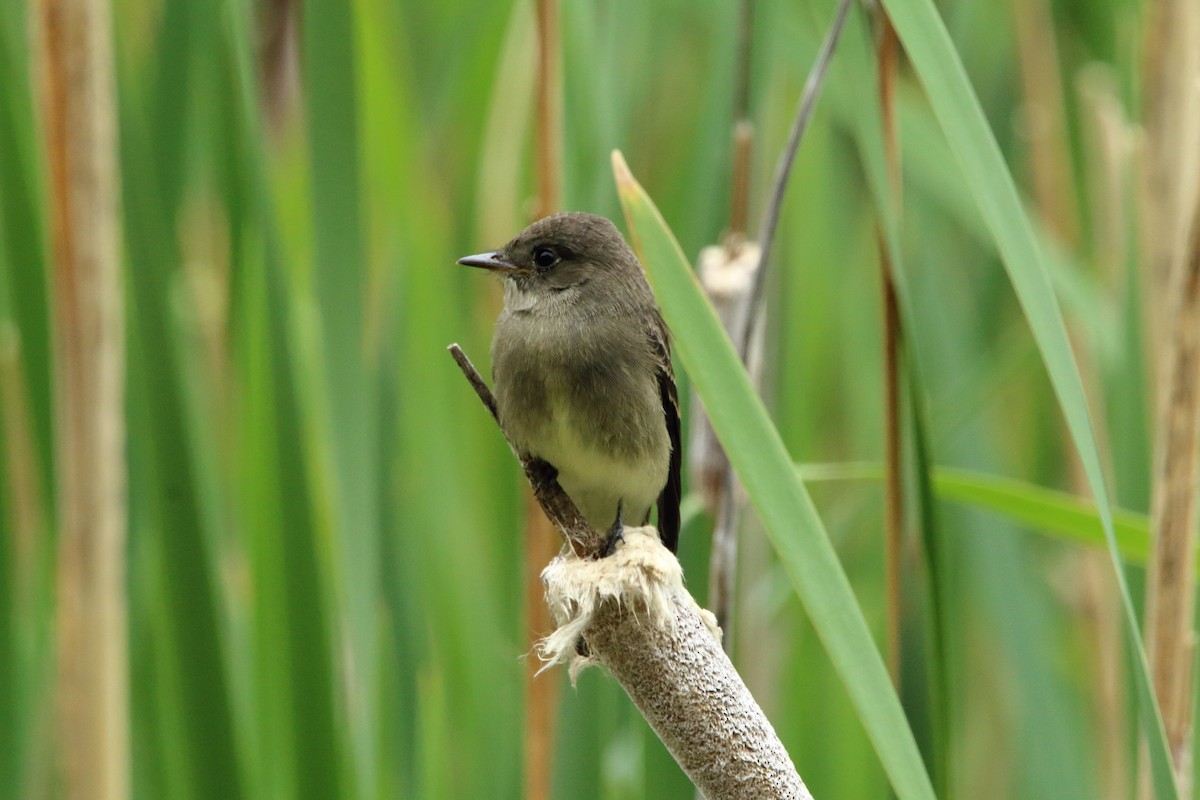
[[615, 534]]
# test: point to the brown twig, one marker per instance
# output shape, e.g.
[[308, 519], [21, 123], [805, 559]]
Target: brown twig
[[476, 380], [560, 509]]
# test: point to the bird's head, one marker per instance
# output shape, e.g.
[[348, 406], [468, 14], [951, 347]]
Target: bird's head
[[560, 252]]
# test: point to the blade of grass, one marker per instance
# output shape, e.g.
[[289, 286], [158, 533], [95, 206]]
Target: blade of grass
[[941, 72], [295, 552], [1048, 511], [932, 552], [26, 452], [881, 157], [22, 234], [196, 657], [761, 462], [341, 282]]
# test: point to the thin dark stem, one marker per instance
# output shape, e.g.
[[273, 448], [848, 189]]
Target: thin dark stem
[[893, 493], [783, 171], [560, 509]]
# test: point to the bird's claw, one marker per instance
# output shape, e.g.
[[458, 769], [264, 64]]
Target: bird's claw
[[615, 534]]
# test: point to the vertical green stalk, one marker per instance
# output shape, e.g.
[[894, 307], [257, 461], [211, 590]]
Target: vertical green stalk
[[195, 651], [347, 357], [22, 237]]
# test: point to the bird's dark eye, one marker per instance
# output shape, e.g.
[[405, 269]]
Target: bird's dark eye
[[544, 257]]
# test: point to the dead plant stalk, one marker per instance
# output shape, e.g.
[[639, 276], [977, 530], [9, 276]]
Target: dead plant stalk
[[81, 149]]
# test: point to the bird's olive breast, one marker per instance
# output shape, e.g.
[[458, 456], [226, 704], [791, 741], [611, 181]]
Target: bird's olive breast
[[599, 377]]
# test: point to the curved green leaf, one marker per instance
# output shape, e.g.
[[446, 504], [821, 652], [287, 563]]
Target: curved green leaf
[[762, 464], [1060, 515], [940, 70]]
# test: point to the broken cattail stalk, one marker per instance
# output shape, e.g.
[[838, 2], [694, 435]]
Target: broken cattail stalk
[[727, 279], [727, 275], [635, 617]]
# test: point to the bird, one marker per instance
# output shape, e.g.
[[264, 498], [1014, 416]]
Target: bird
[[581, 363]]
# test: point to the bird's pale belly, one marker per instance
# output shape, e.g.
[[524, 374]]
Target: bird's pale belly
[[596, 479], [595, 470]]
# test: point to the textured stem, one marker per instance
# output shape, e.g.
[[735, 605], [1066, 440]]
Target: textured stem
[[1171, 584], [1171, 179], [687, 689], [637, 620], [80, 126], [727, 281]]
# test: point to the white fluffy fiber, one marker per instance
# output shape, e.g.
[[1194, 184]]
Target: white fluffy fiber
[[641, 575]]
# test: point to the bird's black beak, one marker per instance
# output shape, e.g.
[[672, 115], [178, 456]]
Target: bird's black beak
[[489, 261]]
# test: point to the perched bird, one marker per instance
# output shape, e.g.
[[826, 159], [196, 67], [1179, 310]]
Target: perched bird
[[582, 369]]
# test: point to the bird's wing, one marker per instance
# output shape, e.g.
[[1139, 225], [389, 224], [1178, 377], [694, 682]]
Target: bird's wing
[[668, 500]]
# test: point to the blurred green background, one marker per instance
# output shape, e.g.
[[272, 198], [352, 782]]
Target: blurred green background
[[325, 527]]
